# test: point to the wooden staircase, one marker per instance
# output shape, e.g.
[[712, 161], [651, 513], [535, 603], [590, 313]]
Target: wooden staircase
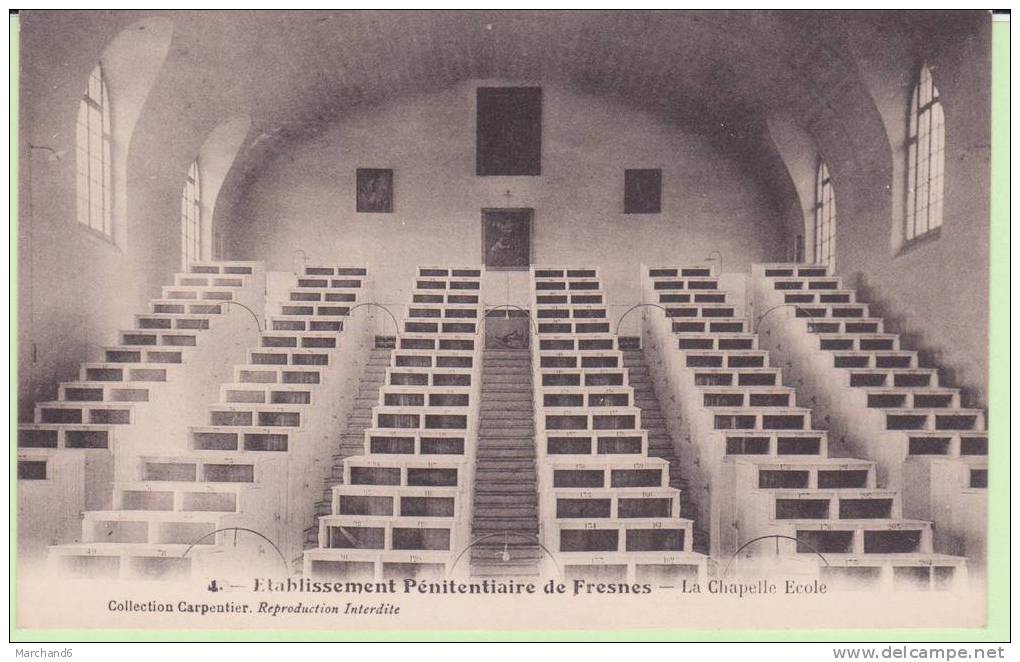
[[660, 444], [352, 438], [506, 491]]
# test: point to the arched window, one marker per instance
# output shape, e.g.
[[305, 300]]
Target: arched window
[[191, 218], [95, 200], [825, 218], [925, 155]]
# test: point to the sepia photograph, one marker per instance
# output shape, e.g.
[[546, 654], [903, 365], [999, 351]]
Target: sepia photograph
[[339, 323]]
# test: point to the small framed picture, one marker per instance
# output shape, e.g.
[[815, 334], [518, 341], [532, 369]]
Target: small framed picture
[[642, 191], [375, 190], [506, 239]]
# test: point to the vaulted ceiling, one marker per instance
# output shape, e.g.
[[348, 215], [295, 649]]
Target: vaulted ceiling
[[297, 67], [702, 67], [715, 72], [296, 72]]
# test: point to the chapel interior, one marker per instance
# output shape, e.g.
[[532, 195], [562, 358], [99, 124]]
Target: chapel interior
[[630, 296]]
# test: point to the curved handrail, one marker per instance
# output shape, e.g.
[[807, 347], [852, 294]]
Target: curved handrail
[[235, 529], [777, 536], [795, 306], [253, 315], [533, 324], [396, 324], [505, 535], [635, 306]]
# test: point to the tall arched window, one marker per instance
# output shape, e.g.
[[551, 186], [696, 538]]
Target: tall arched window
[[191, 218], [925, 154], [825, 218], [95, 200]]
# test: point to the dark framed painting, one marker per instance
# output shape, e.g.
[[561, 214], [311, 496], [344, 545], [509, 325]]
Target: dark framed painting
[[507, 328], [375, 190], [509, 131], [506, 238], [642, 191]]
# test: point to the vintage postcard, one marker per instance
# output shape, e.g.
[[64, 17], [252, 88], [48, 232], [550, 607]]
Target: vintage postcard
[[343, 322]]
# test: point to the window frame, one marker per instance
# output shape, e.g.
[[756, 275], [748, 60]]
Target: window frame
[[191, 217], [824, 240], [925, 145], [94, 158]]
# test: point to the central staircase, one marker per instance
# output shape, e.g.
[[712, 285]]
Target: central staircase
[[506, 483]]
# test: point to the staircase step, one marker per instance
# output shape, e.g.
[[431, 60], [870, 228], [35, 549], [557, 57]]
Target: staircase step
[[507, 488], [526, 474], [487, 511], [524, 469], [490, 499], [504, 443], [486, 525], [499, 527], [522, 571], [521, 468], [503, 431], [521, 551], [520, 439], [495, 455], [520, 548], [509, 451]]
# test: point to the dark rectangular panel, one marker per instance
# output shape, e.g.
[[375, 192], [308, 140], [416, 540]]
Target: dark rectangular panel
[[509, 131], [506, 238], [642, 191], [374, 190]]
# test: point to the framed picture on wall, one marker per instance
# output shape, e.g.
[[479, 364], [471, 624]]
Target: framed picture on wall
[[642, 191], [506, 238], [375, 190], [509, 131]]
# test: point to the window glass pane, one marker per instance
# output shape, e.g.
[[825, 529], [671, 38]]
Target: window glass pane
[[94, 157], [912, 132], [825, 216], [106, 113], [925, 159], [94, 90], [191, 237]]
